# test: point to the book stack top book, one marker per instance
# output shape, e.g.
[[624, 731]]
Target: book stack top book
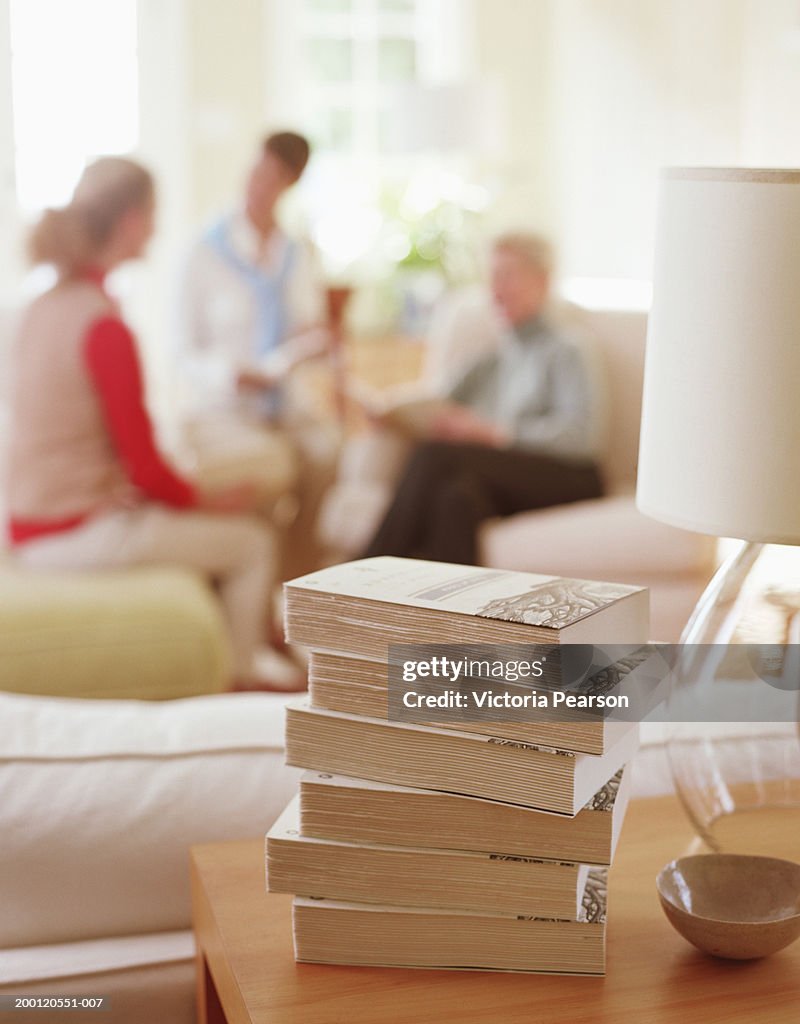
[[361, 607]]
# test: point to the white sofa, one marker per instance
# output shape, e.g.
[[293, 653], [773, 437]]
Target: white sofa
[[99, 804], [605, 539]]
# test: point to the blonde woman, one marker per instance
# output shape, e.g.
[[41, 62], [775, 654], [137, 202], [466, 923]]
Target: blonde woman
[[88, 487]]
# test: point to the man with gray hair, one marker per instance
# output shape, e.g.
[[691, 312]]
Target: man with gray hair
[[516, 434]]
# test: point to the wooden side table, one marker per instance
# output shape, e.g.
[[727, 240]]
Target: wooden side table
[[247, 973]]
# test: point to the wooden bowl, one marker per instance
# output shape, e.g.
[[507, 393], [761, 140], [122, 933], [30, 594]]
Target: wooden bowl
[[731, 905]]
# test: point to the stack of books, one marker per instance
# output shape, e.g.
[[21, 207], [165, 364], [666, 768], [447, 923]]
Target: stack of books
[[456, 844]]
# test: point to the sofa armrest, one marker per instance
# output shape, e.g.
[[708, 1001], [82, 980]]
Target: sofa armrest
[[101, 800], [592, 539]]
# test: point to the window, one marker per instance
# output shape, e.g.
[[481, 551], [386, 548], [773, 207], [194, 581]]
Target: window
[[355, 53], [328, 57], [74, 88]]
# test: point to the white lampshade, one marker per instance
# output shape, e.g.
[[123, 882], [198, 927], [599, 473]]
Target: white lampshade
[[720, 440]]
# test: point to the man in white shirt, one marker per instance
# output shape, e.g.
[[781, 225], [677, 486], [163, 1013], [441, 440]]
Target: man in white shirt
[[253, 307], [251, 292]]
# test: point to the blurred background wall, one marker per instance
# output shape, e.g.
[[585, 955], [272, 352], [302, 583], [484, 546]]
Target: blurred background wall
[[435, 123]]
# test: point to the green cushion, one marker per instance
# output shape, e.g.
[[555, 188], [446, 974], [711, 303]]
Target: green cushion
[[139, 633]]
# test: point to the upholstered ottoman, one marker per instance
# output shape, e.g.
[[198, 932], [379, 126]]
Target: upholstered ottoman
[[136, 633]]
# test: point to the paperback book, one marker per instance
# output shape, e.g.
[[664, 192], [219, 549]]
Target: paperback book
[[335, 932], [359, 686], [422, 877], [362, 811], [471, 764], [359, 608]]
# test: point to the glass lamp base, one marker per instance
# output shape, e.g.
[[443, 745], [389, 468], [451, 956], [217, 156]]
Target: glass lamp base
[[740, 780]]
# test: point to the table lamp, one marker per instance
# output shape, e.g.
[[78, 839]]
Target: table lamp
[[719, 453]]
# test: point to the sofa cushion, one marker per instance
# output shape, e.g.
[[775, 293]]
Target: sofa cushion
[[619, 337], [143, 632], [28, 965], [590, 539], [101, 800]]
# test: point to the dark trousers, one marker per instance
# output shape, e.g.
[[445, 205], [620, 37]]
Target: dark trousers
[[447, 491]]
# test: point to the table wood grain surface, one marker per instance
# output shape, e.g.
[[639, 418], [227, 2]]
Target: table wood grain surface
[[247, 973]]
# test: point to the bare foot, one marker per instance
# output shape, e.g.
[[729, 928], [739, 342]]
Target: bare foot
[[256, 685], [274, 673]]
